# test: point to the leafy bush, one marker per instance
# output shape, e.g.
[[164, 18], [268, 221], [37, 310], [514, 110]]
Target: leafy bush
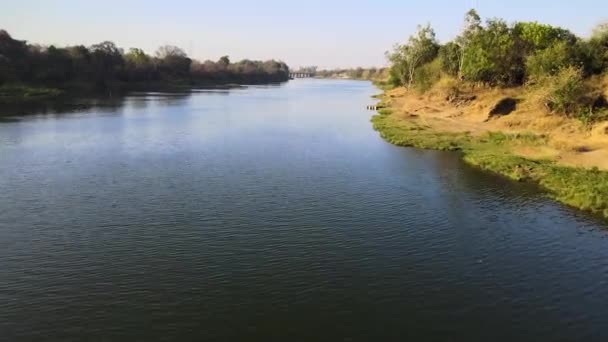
[[448, 87], [592, 55], [548, 61], [590, 115], [537, 36], [563, 92], [427, 75], [394, 75], [492, 56]]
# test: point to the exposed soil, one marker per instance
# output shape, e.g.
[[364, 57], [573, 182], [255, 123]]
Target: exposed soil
[[569, 142]]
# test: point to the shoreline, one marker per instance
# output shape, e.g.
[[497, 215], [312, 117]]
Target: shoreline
[[495, 150], [27, 94]]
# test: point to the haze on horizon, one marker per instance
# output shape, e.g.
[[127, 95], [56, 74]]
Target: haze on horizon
[[328, 34]]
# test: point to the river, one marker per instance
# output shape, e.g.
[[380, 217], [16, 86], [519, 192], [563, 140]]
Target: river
[[276, 213]]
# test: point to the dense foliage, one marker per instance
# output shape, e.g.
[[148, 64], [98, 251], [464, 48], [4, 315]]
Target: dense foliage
[[105, 64], [498, 53]]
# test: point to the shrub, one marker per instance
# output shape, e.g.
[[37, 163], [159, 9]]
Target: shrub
[[394, 76], [563, 92], [548, 61], [590, 115], [448, 87], [427, 75], [592, 55]]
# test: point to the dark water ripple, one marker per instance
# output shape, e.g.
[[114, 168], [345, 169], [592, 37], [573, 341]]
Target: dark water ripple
[[276, 213]]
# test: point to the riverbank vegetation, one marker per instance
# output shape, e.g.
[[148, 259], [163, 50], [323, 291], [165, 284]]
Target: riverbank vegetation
[[582, 188], [560, 68], [28, 70], [525, 100], [20, 93]]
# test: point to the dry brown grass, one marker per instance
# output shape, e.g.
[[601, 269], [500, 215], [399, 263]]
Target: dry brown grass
[[569, 142]]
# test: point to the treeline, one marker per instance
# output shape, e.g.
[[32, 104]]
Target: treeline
[[105, 64], [312, 69], [354, 73], [495, 53]]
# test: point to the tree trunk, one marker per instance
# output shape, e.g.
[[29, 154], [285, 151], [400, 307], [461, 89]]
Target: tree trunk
[[411, 77]]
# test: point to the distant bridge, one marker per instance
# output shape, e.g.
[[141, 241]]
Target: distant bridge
[[300, 75]]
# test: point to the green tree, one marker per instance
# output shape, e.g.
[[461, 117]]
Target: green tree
[[596, 50], [139, 66], [57, 66], [137, 58], [224, 61], [493, 56], [173, 62], [450, 56], [13, 58], [545, 48], [106, 61], [105, 65], [591, 55], [600, 33], [421, 48], [536, 36], [472, 27], [82, 69], [397, 70], [356, 73]]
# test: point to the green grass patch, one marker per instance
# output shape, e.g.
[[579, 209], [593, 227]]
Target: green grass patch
[[586, 189], [406, 133], [589, 115], [501, 139], [18, 93], [385, 111]]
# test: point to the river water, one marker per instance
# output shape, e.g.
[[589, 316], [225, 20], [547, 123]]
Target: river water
[[276, 213]]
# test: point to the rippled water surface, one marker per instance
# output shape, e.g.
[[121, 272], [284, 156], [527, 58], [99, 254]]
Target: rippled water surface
[[276, 214]]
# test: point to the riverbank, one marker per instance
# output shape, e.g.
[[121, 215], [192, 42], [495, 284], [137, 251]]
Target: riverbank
[[25, 94], [35, 72], [564, 156]]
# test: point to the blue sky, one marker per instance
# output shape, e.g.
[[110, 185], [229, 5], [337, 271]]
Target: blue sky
[[313, 32]]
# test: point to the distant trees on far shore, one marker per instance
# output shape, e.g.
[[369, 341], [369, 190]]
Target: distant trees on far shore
[[347, 73], [105, 64], [354, 73]]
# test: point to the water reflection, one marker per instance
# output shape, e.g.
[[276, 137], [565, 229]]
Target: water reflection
[[66, 106]]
